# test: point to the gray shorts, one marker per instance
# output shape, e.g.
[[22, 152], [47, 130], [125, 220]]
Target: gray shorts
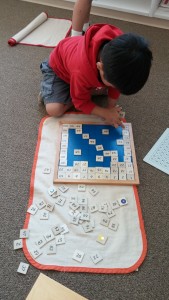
[[52, 88]]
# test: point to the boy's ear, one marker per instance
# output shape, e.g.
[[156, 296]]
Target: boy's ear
[[99, 65]]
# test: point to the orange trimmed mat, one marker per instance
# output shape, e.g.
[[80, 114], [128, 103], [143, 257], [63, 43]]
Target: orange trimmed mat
[[118, 248]]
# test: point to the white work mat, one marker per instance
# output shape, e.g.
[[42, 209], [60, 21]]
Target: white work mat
[[125, 248], [158, 156], [42, 31]]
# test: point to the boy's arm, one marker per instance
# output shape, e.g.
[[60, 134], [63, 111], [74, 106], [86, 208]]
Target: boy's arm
[[113, 95], [81, 98], [111, 116]]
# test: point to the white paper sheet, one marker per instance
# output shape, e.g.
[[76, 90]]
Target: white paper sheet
[[158, 156]]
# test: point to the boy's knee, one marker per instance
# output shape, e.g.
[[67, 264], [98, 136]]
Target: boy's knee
[[53, 110]]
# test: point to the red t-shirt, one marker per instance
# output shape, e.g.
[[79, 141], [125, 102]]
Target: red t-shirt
[[74, 61]]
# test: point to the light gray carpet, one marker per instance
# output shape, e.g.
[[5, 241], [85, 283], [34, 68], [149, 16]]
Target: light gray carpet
[[20, 116]]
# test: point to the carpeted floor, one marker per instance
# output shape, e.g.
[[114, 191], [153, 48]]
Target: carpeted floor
[[148, 112]]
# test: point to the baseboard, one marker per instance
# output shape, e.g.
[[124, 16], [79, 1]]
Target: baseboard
[[108, 13]]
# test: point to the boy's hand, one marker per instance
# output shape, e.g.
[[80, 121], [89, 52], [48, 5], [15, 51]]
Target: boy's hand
[[111, 116]]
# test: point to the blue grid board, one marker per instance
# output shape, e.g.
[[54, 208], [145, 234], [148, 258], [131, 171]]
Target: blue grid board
[[89, 152]]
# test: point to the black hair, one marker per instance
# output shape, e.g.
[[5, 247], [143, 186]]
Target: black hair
[[127, 62]]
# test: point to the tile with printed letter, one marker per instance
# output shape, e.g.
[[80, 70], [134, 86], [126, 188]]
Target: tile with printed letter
[[46, 170], [93, 208], [85, 216], [49, 236], [63, 188], [113, 225], [40, 242], [96, 257], [24, 233], [51, 249], [56, 230], [60, 239], [81, 188], [60, 200], [105, 221], [44, 215], [115, 204], [40, 204], [87, 227], [49, 206], [23, 268], [18, 244], [78, 255], [64, 228], [32, 209], [35, 252], [93, 191]]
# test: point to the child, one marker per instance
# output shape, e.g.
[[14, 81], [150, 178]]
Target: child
[[103, 57], [80, 17]]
